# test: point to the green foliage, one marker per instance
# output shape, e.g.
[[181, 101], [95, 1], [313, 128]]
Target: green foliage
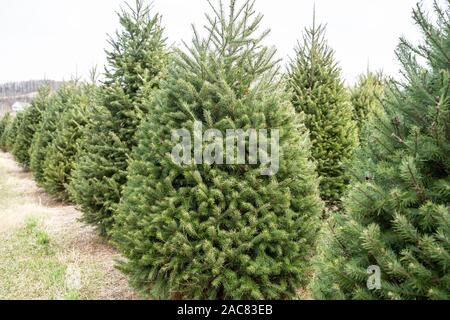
[[4, 120], [11, 132], [138, 52], [46, 132], [30, 123], [63, 149], [220, 231], [397, 213], [5, 125], [136, 64], [366, 99], [319, 93]]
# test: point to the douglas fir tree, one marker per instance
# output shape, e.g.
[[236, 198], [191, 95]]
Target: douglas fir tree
[[4, 119], [46, 132], [11, 132], [397, 217], [136, 64], [5, 125], [30, 124], [202, 229], [319, 93], [61, 153]]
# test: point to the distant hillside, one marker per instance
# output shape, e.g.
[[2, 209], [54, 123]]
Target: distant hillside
[[22, 92]]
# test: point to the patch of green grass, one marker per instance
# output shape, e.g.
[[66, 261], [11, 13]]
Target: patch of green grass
[[72, 295], [40, 237], [30, 267], [33, 265], [36, 264]]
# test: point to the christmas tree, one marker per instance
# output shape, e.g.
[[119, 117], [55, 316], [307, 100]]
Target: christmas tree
[[62, 151], [5, 125], [203, 229], [318, 91], [11, 132], [136, 64], [396, 223], [46, 132], [366, 98], [29, 125]]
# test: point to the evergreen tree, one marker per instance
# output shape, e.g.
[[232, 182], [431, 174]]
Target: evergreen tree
[[318, 91], [3, 122], [29, 125], [397, 214], [5, 125], [366, 98], [62, 151], [46, 132], [136, 62], [11, 132], [210, 230]]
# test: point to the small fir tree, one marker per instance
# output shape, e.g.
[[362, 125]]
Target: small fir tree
[[5, 125], [31, 121], [366, 98], [46, 132], [11, 132], [397, 214], [62, 151], [314, 78], [136, 64], [210, 230]]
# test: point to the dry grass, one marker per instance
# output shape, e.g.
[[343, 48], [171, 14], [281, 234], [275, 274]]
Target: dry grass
[[43, 246]]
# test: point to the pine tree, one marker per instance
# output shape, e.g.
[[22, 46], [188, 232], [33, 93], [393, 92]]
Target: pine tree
[[4, 119], [318, 91], [366, 98], [29, 125], [46, 132], [397, 213], [136, 64], [11, 132], [210, 230], [62, 151], [5, 125]]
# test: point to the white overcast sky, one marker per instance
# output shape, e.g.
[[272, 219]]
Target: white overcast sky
[[56, 39]]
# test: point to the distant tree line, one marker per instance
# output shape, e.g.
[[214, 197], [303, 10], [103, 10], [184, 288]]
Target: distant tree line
[[23, 91], [24, 87]]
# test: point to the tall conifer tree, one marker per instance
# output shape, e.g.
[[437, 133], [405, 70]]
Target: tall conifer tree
[[318, 91], [30, 124], [136, 64], [5, 125], [366, 98], [63, 150], [11, 131], [46, 131], [211, 230]]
